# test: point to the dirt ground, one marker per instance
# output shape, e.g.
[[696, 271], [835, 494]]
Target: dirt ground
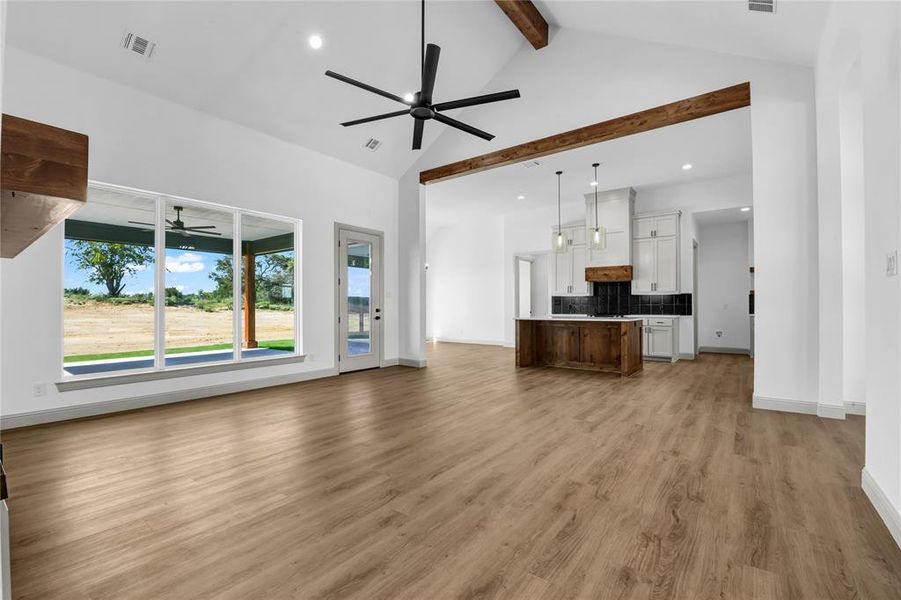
[[93, 327]]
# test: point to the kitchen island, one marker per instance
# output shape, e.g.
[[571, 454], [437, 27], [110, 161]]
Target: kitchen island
[[606, 344]]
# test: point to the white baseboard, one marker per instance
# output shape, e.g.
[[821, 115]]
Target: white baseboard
[[468, 341], [784, 405], [112, 406], [417, 363], [390, 362], [855, 408], [724, 350], [830, 411], [890, 514], [686, 356]]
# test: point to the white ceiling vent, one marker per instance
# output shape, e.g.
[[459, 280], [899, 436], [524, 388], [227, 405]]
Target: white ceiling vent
[[373, 144], [530, 164], [138, 44], [764, 6]]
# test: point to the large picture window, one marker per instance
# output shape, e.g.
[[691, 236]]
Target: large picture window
[[149, 284]]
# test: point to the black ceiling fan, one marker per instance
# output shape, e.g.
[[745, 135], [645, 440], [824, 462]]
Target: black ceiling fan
[[179, 225], [421, 107]]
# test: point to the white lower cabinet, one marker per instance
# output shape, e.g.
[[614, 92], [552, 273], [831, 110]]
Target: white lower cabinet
[[661, 338]]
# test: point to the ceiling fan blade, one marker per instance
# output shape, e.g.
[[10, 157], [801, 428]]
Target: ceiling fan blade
[[476, 100], [142, 223], [169, 222], [190, 230], [429, 72], [366, 87], [201, 227], [418, 126], [463, 127], [376, 118]]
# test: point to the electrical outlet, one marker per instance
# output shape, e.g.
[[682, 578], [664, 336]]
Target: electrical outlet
[[891, 263], [719, 333], [39, 389]]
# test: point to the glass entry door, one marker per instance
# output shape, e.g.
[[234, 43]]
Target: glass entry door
[[360, 300]]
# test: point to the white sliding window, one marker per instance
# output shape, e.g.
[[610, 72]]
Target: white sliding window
[[150, 284]]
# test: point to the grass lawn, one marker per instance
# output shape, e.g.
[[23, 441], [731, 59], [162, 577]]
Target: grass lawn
[[286, 345]]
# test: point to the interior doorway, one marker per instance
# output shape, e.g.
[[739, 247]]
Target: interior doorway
[[523, 292], [694, 293], [358, 270]]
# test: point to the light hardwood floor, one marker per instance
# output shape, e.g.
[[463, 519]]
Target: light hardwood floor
[[468, 479]]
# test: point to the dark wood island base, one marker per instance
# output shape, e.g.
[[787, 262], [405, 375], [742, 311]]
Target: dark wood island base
[[606, 345]]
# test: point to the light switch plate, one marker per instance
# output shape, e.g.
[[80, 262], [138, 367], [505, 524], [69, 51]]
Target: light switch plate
[[891, 263]]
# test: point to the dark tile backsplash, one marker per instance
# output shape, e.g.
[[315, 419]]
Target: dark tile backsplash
[[617, 299]]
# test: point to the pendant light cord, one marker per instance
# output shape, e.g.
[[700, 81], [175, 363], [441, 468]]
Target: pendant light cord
[[559, 219], [596, 182]]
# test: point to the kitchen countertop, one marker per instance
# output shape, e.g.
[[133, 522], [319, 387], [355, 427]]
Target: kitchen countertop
[[582, 318]]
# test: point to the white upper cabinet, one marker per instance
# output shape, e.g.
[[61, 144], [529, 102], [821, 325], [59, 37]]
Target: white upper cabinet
[[656, 226], [614, 219], [655, 254], [568, 268]]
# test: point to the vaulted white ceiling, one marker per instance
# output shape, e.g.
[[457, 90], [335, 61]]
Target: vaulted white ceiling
[[249, 62], [791, 34]]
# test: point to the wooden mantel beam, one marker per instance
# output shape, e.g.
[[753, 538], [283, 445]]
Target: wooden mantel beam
[[705, 105], [527, 19]]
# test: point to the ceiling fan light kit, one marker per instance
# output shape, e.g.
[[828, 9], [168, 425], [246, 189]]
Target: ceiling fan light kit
[[421, 107], [179, 226]]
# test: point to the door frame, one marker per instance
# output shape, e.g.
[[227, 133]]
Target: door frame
[[529, 258], [694, 296], [336, 287]]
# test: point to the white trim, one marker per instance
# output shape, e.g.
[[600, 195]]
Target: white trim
[[83, 382], [830, 411], [390, 362], [784, 405], [686, 356], [855, 408], [99, 408], [889, 514], [467, 341], [417, 363], [724, 350]]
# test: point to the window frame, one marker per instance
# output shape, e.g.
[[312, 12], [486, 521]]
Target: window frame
[[159, 370]]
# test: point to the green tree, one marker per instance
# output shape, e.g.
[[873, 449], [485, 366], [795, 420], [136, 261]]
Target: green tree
[[222, 275], [109, 264], [273, 272]]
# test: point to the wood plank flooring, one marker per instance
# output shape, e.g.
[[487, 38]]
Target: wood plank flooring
[[469, 479]]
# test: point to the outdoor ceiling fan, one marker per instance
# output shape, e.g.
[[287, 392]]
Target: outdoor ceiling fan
[[421, 107], [179, 225]]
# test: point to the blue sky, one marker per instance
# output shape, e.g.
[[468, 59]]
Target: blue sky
[[189, 271]]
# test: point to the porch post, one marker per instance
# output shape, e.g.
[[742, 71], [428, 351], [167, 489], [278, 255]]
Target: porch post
[[250, 297]]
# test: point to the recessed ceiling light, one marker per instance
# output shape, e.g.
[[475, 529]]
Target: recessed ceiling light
[[315, 42], [409, 96], [520, 197], [686, 167], [745, 208], [594, 184]]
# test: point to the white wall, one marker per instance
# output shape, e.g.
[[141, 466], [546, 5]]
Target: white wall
[[465, 283], [723, 286], [644, 74], [692, 198], [867, 33], [541, 269], [141, 141]]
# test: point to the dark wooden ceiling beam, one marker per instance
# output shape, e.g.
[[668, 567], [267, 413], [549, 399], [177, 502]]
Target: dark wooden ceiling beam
[[705, 105], [527, 19]]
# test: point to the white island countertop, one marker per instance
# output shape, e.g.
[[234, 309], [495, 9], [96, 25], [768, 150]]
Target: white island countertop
[[582, 318]]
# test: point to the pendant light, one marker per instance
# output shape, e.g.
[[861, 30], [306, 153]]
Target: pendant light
[[559, 240], [599, 235]]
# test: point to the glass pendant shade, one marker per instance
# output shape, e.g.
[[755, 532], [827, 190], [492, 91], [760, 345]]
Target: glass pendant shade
[[559, 242], [599, 238]]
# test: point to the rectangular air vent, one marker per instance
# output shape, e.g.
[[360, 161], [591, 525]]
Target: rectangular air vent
[[766, 6], [373, 144], [138, 44], [530, 164]]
